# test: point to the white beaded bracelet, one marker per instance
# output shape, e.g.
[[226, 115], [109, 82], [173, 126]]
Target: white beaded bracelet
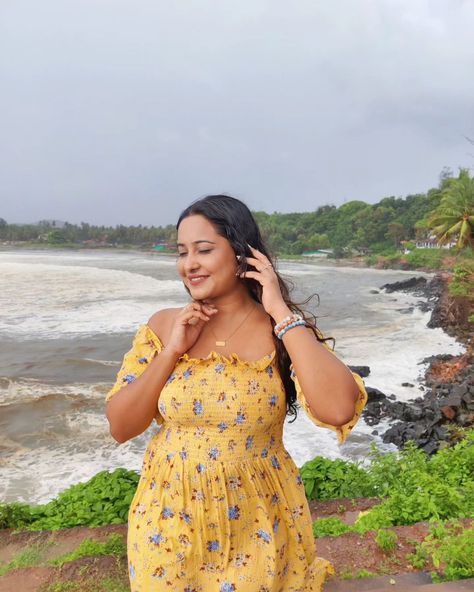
[[286, 321], [291, 326]]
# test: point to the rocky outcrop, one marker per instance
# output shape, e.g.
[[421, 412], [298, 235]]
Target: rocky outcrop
[[449, 380]]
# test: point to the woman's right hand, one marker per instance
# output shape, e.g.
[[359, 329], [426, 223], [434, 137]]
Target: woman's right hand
[[187, 326]]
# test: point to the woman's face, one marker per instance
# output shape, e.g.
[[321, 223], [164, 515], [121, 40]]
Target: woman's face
[[206, 260]]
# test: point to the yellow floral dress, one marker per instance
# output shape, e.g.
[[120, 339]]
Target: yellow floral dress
[[220, 506]]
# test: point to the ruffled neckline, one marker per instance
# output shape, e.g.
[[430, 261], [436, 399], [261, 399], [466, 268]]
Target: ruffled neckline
[[233, 358]]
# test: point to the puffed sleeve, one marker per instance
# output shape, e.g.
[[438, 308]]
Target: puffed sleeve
[[145, 347], [344, 430]]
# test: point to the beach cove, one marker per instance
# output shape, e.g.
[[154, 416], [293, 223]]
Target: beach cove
[[68, 317]]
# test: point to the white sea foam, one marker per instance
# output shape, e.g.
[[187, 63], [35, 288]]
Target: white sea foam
[[50, 301], [26, 390], [35, 478], [79, 294]]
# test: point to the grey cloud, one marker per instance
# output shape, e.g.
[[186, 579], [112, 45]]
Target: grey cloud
[[121, 112]]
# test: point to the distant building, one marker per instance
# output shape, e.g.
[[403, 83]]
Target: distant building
[[318, 253], [161, 246], [432, 243]]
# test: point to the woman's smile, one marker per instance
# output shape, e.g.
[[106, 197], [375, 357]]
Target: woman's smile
[[197, 280]]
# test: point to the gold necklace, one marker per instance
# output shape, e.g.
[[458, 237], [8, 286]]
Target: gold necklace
[[220, 343]]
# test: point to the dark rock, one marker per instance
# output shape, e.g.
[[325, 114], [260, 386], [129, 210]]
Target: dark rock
[[438, 358], [374, 292], [412, 414], [374, 394], [405, 285], [407, 384], [431, 447], [362, 371], [443, 402], [459, 390], [452, 400]]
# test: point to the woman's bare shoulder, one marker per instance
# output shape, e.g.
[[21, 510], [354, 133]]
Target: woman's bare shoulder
[[161, 321]]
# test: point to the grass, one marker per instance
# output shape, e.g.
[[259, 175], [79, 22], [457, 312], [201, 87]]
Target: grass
[[34, 554], [31, 556], [114, 545], [362, 573], [386, 540]]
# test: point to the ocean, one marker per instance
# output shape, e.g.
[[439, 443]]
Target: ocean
[[67, 318]]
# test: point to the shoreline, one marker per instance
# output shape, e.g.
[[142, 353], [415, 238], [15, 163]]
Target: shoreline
[[447, 404], [352, 262]]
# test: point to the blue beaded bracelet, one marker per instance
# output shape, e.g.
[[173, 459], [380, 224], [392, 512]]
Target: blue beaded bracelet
[[291, 326]]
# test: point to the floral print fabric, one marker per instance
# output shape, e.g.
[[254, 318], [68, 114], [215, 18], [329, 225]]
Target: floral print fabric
[[220, 506]]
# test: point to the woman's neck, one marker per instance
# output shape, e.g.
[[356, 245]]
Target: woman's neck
[[232, 304]]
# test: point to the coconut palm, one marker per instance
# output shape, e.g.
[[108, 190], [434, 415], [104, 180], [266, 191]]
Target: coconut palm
[[454, 217]]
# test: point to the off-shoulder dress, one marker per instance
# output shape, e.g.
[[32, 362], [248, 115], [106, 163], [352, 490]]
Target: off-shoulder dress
[[220, 505]]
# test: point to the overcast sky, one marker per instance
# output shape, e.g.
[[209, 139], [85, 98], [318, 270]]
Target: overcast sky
[[123, 112]]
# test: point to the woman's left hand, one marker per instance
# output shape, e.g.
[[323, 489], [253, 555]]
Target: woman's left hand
[[272, 298]]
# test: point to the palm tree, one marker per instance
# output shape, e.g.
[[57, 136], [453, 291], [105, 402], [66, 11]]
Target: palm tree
[[455, 214]]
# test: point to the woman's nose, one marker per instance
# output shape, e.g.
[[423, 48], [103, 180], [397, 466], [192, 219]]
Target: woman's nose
[[191, 262]]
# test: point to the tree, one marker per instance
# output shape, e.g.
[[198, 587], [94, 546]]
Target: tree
[[56, 237], [395, 232], [454, 217]]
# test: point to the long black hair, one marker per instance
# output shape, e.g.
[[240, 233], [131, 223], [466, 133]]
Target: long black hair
[[233, 220]]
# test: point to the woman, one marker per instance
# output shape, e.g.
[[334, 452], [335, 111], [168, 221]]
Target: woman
[[220, 505]]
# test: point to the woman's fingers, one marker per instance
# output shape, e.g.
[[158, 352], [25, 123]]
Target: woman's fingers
[[255, 275], [258, 263], [196, 314], [260, 256]]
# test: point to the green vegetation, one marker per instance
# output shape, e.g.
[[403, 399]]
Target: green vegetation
[[386, 228], [412, 487], [329, 527], [462, 283], [327, 479], [104, 499], [454, 216], [32, 555], [114, 545], [449, 546], [386, 540]]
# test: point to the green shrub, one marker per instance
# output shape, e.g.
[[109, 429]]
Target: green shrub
[[104, 499], [450, 548], [462, 283], [328, 479], [386, 540], [15, 515], [430, 258], [371, 260], [330, 527], [417, 488]]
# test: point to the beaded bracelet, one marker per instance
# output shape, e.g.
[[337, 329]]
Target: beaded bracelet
[[291, 326], [286, 321]]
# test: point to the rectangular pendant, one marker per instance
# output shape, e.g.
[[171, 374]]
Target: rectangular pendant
[[220, 343]]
